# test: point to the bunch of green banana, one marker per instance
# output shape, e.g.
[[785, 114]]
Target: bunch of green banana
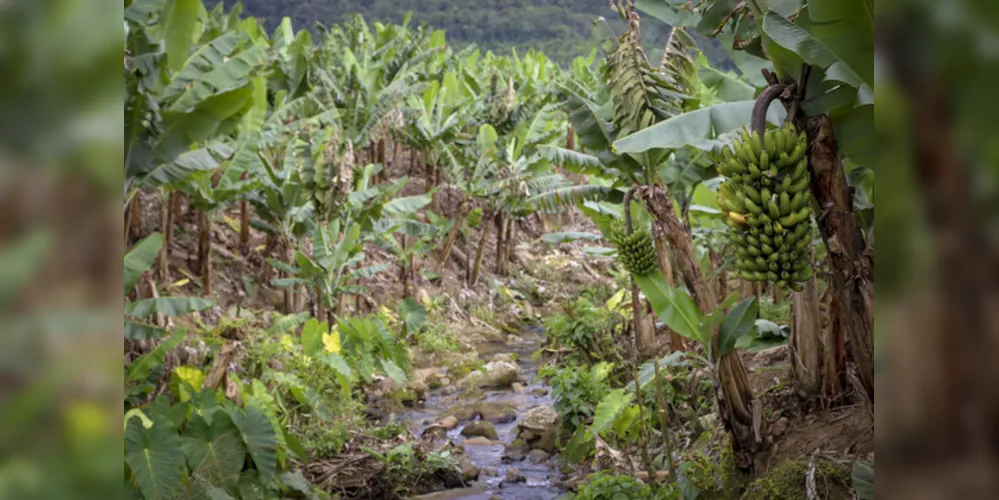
[[474, 217], [636, 252], [767, 203]]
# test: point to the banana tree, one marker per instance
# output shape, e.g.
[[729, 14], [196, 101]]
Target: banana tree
[[822, 60]]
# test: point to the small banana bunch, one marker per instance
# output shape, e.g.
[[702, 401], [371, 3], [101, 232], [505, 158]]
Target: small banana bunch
[[767, 203], [636, 252], [474, 217]]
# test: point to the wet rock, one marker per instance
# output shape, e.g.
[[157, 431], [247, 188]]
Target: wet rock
[[448, 422], [469, 472], [418, 387], [503, 357], [537, 456], [517, 388], [481, 441], [472, 380], [445, 381], [514, 476], [491, 411], [448, 390], [538, 428], [484, 429], [513, 339], [539, 392], [515, 451], [434, 432], [488, 472], [501, 373], [540, 419]]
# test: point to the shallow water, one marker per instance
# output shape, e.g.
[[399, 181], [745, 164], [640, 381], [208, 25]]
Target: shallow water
[[539, 478]]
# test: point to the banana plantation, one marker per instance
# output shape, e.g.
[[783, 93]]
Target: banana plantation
[[362, 262]]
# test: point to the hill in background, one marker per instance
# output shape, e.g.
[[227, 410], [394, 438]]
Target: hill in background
[[559, 28]]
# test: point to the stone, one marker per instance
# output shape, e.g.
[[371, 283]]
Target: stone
[[779, 427], [501, 374], [481, 441], [538, 428], [515, 451], [539, 392], [514, 476], [540, 419], [448, 390], [474, 379], [469, 472], [503, 357], [537, 456], [484, 429], [517, 388], [418, 387], [512, 339], [492, 411], [434, 432], [448, 422]]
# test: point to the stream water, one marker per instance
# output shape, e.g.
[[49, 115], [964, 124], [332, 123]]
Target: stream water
[[539, 483]]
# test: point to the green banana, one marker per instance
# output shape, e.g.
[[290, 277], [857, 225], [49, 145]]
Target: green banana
[[785, 204], [775, 211]]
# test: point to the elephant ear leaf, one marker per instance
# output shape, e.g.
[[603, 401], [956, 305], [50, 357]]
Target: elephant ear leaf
[[740, 321], [259, 437], [155, 459], [214, 450]]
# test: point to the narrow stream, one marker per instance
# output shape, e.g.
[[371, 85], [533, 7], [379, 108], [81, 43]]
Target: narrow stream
[[539, 479]]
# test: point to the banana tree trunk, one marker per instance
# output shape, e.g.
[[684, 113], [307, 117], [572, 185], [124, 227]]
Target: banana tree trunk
[[462, 211], [486, 230], [165, 222], [397, 155], [404, 268], [807, 339], [511, 228], [289, 299], [244, 223], [735, 396], [320, 305], [500, 222], [666, 265], [852, 271], [205, 251]]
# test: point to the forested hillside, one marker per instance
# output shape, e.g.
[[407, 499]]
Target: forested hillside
[[559, 28]]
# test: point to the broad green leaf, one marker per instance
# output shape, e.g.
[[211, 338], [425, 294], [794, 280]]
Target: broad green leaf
[[258, 435], [579, 446], [847, 28], [136, 330], [671, 12], [181, 131], [673, 306], [569, 236], [178, 20], [155, 458], [727, 87], [406, 205], [295, 446], [609, 408], [168, 306], [863, 479], [214, 450], [140, 258], [312, 336], [413, 314], [295, 481], [331, 342], [626, 420], [144, 365], [740, 321], [183, 379], [811, 50], [339, 364], [393, 371], [698, 129]]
